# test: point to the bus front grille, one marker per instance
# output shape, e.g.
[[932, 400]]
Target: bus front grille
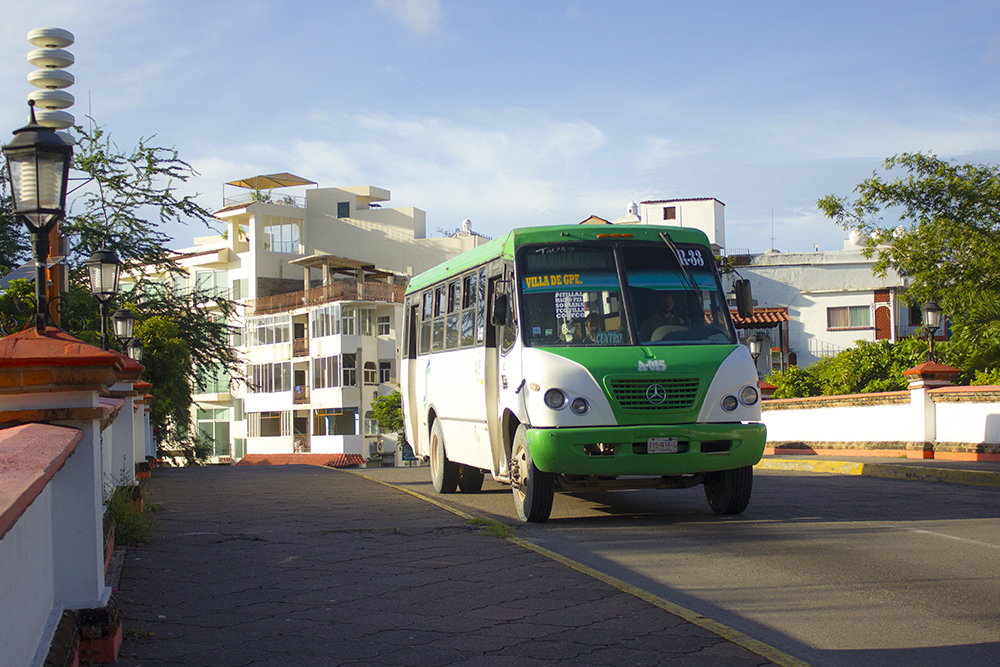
[[655, 394]]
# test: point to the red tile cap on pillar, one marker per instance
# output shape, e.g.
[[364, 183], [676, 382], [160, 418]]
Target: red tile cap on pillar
[[931, 374], [54, 361]]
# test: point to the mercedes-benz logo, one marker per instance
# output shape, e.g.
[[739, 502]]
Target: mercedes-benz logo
[[655, 393]]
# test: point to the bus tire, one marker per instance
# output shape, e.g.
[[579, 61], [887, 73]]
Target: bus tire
[[444, 473], [470, 479], [533, 489], [728, 491]]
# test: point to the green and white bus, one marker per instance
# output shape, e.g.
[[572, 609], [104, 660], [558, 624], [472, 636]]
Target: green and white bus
[[584, 356]]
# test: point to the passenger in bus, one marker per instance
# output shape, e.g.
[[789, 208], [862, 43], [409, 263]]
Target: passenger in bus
[[593, 324], [664, 313]]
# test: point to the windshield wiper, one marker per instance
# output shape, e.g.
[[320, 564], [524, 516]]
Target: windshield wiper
[[689, 282]]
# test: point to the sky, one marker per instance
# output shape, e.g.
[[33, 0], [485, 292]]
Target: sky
[[515, 113]]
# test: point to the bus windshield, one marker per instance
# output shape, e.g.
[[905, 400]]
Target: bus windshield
[[572, 296]]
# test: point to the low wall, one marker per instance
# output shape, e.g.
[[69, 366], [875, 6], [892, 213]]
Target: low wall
[[31, 459], [945, 423]]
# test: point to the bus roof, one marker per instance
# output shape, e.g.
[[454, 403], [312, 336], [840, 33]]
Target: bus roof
[[504, 246]]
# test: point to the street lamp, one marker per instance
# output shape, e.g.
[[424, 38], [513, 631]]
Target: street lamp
[[105, 268], [932, 322], [124, 325], [755, 343], [38, 162], [134, 350]]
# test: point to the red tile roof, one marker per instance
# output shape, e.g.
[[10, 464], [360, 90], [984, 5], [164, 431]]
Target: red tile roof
[[330, 460], [762, 317]]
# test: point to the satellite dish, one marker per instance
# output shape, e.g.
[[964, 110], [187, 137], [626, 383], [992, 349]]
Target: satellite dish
[[855, 237]]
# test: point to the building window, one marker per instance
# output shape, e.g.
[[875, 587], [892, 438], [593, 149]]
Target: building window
[[270, 378], [383, 326], [343, 209], [350, 365], [669, 212], [326, 372], [371, 425], [849, 317], [282, 235], [241, 289], [269, 425], [335, 421], [213, 423], [269, 330], [347, 320], [325, 321], [385, 371], [370, 373], [916, 318], [366, 318]]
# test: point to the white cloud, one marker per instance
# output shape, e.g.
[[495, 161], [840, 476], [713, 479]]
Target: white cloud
[[421, 16]]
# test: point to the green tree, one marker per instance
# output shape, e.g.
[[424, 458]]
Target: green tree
[[127, 198], [937, 223], [165, 353], [388, 411]]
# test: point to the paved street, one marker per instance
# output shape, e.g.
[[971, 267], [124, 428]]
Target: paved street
[[833, 569], [300, 565]]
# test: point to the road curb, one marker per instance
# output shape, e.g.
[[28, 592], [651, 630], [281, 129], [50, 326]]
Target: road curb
[[885, 471], [729, 634]]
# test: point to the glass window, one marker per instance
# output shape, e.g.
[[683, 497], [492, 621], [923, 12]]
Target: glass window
[[675, 295], [383, 326], [849, 317], [385, 371], [350, 370], [370, 373], [335, 421]]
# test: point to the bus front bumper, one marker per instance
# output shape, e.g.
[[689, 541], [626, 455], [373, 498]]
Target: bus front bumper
[[625, 450]]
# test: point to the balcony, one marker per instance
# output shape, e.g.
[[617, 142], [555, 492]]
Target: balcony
[[342, 290], [265, 198], [300, 395], [300, 347]]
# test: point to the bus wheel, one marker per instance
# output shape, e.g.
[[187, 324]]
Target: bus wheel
[[533, 489], [444, 473], [728, 491], [470, 480]]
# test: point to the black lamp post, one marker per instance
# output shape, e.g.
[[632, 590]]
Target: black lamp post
[[105, 268], [932, 322], [124, 325], [38, 161], [755, 343]]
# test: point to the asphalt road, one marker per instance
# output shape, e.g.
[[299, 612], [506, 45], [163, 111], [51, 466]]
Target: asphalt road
[[834, 570]]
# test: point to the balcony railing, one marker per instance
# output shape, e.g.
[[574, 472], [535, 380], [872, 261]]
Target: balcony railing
[[342, 290], [300, 347], [279, 200], [300, 395], [300, 444]]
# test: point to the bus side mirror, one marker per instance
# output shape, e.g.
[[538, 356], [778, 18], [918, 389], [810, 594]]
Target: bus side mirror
[[499, 311], [744, 300]]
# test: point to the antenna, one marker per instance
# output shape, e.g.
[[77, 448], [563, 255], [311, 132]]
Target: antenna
[[772, 228]]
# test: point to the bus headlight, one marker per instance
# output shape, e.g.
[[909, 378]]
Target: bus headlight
[[729, 403], [580, 406], [749, 395], [555, 398]]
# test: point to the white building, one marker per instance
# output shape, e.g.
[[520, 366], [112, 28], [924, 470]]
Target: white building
[[321, 280], [807, 305], [833, 300]]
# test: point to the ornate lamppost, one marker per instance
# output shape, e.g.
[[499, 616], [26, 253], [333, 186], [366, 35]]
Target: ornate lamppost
[[755, 343], [105, 269], [124, 325], [932, 322], [38, 161]]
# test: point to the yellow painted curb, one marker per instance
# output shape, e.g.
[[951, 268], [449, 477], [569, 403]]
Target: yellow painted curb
[[724, 631], [729, 634], [885, 471]]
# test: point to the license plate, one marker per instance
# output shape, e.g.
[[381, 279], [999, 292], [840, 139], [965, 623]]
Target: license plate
[[661, 446]]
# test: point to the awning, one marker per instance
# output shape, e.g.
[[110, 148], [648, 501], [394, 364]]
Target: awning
[[762, 318], [270, 181]]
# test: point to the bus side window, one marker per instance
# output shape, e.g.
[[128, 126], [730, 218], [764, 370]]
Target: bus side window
[[437, 335], [509, 335], [481, 309], [451, 333], [425, 322], [468, 324]]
